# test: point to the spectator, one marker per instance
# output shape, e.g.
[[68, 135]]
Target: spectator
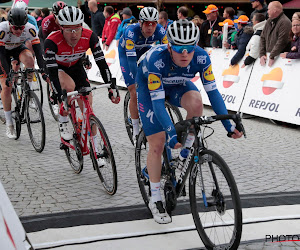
[[163, 19], [45, 12], [197, 21], [259, 6], [296, 15], [210, 25], [242, 38], [295, 48], [3, 15], [229, 13], [112, 22], [275, 36], [37, 15], [182, 12], [97, 18], [128, 19], [86, 12], [259, 22], [218, 38]]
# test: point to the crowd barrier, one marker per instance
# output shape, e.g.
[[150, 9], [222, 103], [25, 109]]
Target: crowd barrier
[[269, 92]]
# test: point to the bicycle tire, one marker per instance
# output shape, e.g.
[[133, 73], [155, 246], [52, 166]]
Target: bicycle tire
[[51, 103], [127, 118], [108, 172], [173, 110], [74, 156], [15, 108], [226, 209], [141, 153], [33, 105], [37, 87]]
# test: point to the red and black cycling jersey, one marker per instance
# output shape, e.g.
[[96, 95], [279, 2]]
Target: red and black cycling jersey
[[59, 52], [49, 25]]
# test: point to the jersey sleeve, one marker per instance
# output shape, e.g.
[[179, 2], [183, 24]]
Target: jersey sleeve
[[99, 58], [210, 86], [130, 37], [32, 34], [162, 35]]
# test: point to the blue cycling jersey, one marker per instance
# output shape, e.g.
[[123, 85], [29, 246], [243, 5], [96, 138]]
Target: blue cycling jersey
[[161, 75], [133, 44], [32, 20]]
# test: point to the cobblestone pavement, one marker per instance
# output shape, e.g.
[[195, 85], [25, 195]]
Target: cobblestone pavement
[[40, 183]]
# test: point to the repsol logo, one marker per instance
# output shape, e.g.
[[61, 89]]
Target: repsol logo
[[298, 112], [270, 106], [228, 98]]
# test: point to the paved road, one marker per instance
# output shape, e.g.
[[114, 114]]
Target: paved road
[[266, 162]]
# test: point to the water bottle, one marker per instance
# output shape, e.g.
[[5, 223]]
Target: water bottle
[[182, 156]]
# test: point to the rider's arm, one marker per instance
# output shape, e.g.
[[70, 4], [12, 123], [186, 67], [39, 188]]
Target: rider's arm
[[129, 37], [37, 48], [3, 61], [99, 58], [50, 49]]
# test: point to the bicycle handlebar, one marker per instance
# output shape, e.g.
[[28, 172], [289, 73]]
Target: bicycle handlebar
[[182, 126], [87, 89]]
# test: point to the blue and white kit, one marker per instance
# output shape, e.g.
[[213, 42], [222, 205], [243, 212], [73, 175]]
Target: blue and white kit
[[132, 45], [159, 78]]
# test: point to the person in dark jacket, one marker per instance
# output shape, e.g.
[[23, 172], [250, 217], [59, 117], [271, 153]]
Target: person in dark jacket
[[128, 19], [97, 18], [259, 6], [295, 48], [210, 25], [242, 38]]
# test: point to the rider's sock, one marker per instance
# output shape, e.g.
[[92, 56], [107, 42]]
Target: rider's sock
[[155, 191], [63, 118], [189, 141], [8, 117], [136, 127]]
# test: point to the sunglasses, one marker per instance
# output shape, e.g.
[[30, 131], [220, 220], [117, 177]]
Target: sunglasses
[[72, 30], [150, 23], [18, 27], [181, 48]]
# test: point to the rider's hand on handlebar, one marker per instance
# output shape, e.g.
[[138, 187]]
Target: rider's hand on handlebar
[[113, 95], [236, 134], [177, 145]]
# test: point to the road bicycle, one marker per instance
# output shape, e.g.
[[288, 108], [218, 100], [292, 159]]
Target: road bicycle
[[52, 101], [89, 137], [213, 194], [26, 108], [173, 111]]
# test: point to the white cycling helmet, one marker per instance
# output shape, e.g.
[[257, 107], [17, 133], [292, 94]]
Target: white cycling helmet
[[70, 15], [183, 32], [149, 14], [21, 5]]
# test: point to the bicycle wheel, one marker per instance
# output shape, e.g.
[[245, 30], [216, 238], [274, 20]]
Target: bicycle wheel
[[103, 160], [127, 117], [215, 202], [174, 112], [52, 103], [35, 122], [141, 152], [15, 112], [74, 156], [37, 87]]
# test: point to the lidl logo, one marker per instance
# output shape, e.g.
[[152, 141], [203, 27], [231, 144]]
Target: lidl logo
[[165, 40], [153, 82], [129, 44], [231, 76], [208, 74], [272, 81]]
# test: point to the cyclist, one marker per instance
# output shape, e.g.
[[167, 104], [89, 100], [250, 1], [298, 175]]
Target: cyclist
[[22, 5], [13, 33], [166, 71], [63, 50], [137, 40]]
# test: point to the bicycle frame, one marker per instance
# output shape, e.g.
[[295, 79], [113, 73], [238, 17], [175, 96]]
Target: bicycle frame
[[85, 132]]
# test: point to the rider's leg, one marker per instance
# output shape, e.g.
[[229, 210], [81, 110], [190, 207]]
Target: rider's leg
[[134, 110], [26, 58]]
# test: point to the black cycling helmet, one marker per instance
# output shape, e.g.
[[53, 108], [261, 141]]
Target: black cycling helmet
[[57, 6], [17, 17]]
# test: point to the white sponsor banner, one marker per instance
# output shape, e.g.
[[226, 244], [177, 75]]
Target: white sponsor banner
[[273, 92], [112, 60], [12, 233]]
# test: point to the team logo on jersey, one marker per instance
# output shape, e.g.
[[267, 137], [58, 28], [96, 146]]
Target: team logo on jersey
[[159, 64], [208, 74], [2, 34], [153, 82], [201, 59], [129, 44], [32, 32], [162, 30], [130, 34], [165, 40]]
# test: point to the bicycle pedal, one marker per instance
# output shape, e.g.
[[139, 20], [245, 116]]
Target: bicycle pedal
[[63, 146]]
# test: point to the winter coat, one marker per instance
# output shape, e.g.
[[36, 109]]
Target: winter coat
[[110, 28], [275, 36], [124, 25], [295, 54], [254, 43], [217, 41], [264, 11], [242, 39]]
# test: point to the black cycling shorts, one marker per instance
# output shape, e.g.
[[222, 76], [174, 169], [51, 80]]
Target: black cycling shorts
[[77, 73]]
